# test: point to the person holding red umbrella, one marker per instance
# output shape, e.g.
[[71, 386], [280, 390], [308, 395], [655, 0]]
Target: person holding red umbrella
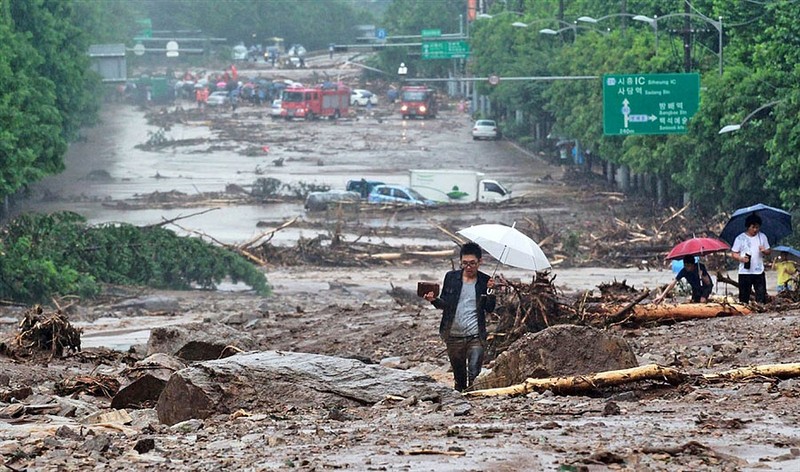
[[696, 276], [749, 248]]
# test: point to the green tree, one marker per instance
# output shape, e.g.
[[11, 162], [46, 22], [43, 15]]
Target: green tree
[[313, 24], [31, 142], [48, 26]]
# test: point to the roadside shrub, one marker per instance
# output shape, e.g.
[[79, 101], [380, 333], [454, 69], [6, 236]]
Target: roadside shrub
[[302, 189], [57, 254], [266, 187]]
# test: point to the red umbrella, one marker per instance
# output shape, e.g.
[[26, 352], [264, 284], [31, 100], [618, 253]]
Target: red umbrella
[[697, 247]]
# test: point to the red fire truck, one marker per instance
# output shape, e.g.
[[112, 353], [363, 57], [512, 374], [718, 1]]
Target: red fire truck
[[326, 100], [418, 101]]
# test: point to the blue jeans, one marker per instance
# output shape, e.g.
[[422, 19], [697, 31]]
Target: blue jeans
[[466, 359]]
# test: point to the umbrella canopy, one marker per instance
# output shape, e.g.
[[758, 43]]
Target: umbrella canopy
[[775, 223], [507, 245], [697, 247], [787, 250]]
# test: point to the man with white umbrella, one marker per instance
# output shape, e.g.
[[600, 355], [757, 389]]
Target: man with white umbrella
[[467, 295]]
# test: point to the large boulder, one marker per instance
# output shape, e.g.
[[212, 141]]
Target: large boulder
[[273, 379], [147, 379], [199, 341], [560, 350]]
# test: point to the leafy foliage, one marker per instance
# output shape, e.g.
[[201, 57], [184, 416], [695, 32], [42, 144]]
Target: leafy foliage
[[30, 124], [47, 91], [57, 254], [314, 24]]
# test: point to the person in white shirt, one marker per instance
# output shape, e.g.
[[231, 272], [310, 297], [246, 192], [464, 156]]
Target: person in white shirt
[[749, 248]]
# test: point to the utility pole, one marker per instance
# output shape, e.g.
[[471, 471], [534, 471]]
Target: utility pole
[[687, 38], [624, 18]]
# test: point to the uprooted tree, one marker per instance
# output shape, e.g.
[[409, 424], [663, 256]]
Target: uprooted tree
[[59, 254]]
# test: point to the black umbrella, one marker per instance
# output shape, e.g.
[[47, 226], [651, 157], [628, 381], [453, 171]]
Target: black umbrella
[[775, 223]]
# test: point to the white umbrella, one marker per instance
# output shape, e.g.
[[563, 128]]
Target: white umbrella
[[507, 245]]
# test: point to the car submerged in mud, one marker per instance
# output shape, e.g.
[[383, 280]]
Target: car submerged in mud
[[398, 194], [320, 201]]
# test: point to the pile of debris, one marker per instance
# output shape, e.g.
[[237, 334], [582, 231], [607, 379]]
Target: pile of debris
[[526, 308], [44, 332], [529, 308]]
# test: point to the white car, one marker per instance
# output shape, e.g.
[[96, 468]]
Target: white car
[[363, 97], [275, 109], [485, 129], [218, 99]]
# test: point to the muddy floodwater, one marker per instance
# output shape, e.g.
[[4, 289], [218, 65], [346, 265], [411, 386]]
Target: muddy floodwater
[[213, 160]]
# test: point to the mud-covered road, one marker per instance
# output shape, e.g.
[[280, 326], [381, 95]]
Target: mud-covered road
[[353, 313]]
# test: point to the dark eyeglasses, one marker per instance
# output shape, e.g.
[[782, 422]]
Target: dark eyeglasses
[[469, 263]]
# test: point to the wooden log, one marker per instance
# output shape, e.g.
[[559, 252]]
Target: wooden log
[[675, 215], [686, 311], [669, 312], [586, 383], [618, 316], [724, 278], [266, 235], [780, 371]]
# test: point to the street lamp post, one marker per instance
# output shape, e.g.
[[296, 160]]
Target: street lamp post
[[567, 26], [483, 16], [737, 126], [574, 29], [589, 19], [520, 24], [716, 24], [553, 32]]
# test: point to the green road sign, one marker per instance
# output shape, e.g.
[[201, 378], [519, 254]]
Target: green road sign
[[431, 33], [145, 26], [649, 103], [445, 50]]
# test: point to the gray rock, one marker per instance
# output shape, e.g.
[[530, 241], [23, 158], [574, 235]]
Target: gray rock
[[789, 385], [154, 303], [274, 379], [199, 341], [149, 376], [188, 426], [99, 443], [242, 318], [144, 445], [65, 431]]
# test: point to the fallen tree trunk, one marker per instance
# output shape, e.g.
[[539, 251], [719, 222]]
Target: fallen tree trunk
[[666, 312], [686, 311], [780, 371], [586, 383], [391, 256]]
